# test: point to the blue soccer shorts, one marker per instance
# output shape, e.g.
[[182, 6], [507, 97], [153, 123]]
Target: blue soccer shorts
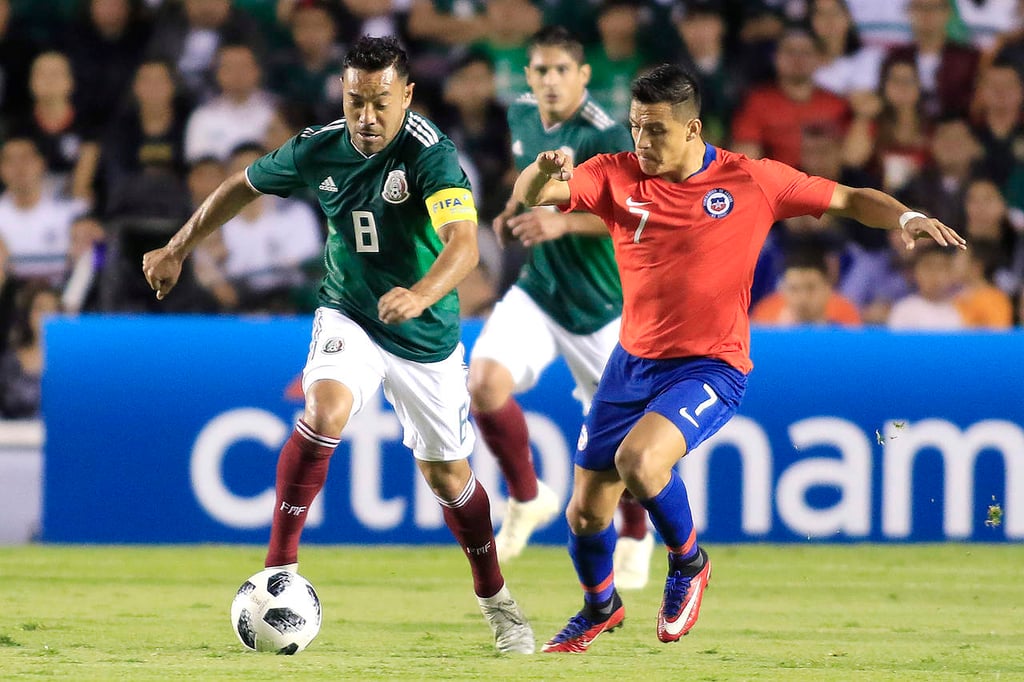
[[699, 395]]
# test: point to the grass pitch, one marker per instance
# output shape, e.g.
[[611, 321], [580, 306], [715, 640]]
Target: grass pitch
[[801, 612]]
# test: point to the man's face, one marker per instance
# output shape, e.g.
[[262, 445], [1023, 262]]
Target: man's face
[[375, 103], [806, 292], [928, 17], [660, 138], [557, 81], [238, 72], [21, 166], [796, 58]]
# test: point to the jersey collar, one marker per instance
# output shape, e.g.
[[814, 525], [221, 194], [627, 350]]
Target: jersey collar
[[710, 154]]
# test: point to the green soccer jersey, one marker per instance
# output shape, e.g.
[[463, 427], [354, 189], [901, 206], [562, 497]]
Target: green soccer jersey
[[573, 279], [380, 231]]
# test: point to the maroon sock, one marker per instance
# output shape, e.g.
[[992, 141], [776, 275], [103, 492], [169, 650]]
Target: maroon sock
[[469, 519], [301, 472], [504, 431], [634, 517]]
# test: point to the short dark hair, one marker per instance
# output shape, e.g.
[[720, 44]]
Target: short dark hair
[[806, 256], [560, 37], [371, 53], [249, 147], [667, 83]]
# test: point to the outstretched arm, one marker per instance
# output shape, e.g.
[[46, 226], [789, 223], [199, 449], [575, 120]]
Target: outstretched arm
[[545, 182], [162, 267], [877, 209], [458, 257]]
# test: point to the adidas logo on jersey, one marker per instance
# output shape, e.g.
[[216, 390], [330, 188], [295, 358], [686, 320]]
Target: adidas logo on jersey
[[328, 185]]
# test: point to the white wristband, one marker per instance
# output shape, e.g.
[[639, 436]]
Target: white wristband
[[908, 216]]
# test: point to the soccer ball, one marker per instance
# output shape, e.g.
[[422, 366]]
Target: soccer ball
[[276, 610]]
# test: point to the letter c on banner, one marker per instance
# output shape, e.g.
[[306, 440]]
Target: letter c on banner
[[207, 473]]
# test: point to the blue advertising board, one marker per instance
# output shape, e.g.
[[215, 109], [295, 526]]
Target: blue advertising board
[[167, 429]]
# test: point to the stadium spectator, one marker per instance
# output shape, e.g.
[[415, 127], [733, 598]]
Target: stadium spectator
[[847, 68], [875, 280], [1000, 128], [475, 121], [240, 114], [510, 24], [821, 154], [705, 212], [979, 301], [931, 307], [889, 135], [387, 302], [17, 52], [805, 295], [946, 70], [8, 287], [189, 35], [617, 57], [986, 20], [144, 147], [105, 45], [34, 223], [881, 23], [66, 139], [86, 260], [939, 187], [21, 365], [701, 27], [266, 245], [986, 218], [309, 75], [439, 33], [771, 120]]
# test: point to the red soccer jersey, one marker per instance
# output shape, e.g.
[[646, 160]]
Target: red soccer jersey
[[687, 250]]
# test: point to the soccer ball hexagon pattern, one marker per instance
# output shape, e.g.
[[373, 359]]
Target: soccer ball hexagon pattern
[[277, 611]]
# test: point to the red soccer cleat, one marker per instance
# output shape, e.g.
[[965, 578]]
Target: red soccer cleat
[[581, 631], [681, 604]]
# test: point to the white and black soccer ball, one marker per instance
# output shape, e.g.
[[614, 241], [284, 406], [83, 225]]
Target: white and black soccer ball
[[276, 610]]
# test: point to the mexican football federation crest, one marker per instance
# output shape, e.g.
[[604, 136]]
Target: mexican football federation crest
[[334, 345], [396, 187], [718, 203]]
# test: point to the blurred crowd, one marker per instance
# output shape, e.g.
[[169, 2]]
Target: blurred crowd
[[118, 117]]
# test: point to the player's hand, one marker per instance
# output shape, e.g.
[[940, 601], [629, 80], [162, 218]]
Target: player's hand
[[501, 226], [922, 228], [162, 269], [538, 225], [400, 305], [555, 164]]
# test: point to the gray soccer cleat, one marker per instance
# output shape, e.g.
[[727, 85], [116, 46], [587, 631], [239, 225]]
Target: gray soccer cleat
[[512, 632]]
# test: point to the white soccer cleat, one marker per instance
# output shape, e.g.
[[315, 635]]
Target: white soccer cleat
[[512, 632], [522, 518], [291, 568], [632, 562]]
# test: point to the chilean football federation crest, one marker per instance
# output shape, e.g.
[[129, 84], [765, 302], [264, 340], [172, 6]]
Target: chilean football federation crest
[[396, 187], [718, 203]]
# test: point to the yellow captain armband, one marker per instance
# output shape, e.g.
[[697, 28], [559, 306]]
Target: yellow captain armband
[[450, 205]]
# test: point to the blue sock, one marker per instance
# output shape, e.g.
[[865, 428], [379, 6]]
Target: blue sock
[[670, 514], [592, 556]]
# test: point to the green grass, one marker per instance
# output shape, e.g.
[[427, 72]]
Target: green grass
[[802, 612]]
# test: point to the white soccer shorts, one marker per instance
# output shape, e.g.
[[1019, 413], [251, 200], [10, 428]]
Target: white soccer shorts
[[430, 398], [525, 340]]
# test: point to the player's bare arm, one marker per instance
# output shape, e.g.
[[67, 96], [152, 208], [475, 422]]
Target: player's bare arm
[[162, 267], [456, 260], [877, 209], [545, 181], [541, 225]]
